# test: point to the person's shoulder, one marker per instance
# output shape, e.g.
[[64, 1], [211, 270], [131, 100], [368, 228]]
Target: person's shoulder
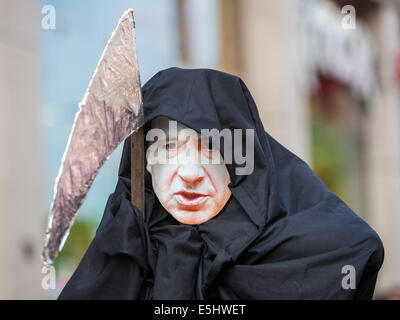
[[329, 225], [348, 229]]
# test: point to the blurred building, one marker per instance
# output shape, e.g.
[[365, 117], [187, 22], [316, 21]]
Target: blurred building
[[21, 172], [328, 90]]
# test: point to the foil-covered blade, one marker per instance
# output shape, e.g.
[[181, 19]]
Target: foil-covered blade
[[110, 111]]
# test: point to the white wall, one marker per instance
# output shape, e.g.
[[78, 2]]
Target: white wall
[[273, 72], [21, 199]]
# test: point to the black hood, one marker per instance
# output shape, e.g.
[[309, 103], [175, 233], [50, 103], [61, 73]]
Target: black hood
[[207, 99], [282, 234]]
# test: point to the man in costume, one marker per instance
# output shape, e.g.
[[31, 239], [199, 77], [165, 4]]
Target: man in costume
[[210, 233]]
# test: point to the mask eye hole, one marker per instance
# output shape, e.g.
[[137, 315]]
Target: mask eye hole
[[170, 146], [208, 148], [208, 145]]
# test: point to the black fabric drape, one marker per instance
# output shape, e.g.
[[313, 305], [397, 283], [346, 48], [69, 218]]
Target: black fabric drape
[[282, 234]]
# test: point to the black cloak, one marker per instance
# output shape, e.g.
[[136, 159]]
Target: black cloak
[[281, 235]]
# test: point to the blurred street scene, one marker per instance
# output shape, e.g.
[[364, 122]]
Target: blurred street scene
[[324, 74]]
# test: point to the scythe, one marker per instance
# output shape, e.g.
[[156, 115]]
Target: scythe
[[111, 110]]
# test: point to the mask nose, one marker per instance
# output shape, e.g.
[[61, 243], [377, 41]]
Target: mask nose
[[191, 173], [190, 170]]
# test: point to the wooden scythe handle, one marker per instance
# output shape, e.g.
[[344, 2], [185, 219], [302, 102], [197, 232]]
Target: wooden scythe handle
[[137, 169]]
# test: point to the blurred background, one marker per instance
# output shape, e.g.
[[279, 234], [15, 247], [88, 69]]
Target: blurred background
[[325, 76]]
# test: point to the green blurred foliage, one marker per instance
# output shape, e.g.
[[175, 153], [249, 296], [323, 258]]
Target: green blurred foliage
[[328, 157], [79, 239]]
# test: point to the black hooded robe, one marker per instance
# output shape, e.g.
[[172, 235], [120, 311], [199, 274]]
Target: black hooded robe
[[281, 235]]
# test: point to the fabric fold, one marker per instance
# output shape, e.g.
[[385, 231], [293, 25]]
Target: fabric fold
[[125, 233]]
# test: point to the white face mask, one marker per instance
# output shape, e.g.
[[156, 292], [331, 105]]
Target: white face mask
[[191, 190]]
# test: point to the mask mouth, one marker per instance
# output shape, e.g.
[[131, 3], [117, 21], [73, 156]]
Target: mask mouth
[[190, 195], [190, 200]]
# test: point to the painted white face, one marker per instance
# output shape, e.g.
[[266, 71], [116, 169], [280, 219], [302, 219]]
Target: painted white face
[[191, 187]]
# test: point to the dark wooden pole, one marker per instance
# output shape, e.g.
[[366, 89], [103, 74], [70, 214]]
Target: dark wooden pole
[[183, 36], [137, 169]]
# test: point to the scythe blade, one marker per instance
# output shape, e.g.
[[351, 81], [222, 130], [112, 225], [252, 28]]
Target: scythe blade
[[110, 111]]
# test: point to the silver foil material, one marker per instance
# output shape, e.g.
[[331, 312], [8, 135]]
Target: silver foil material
[[110, 111]]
